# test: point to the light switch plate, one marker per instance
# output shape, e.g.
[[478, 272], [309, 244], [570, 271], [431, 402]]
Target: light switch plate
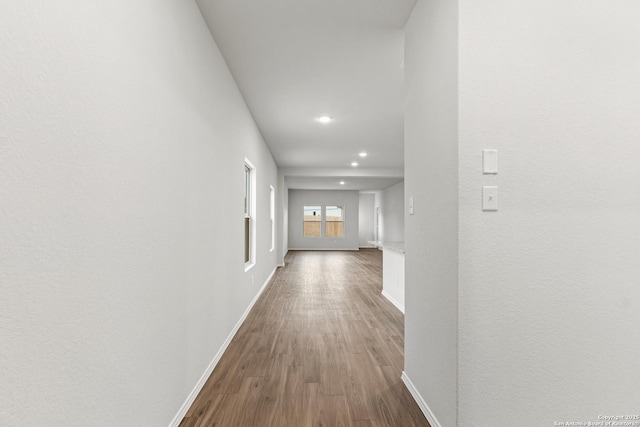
[[490, 161], [411, 205], [489, 198]]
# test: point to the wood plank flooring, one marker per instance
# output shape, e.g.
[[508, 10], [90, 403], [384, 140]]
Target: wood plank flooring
[[321, 347]]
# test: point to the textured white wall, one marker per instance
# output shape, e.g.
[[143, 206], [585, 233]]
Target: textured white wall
[[392, 213], [346, 198], [365, 221], [122, 140], [393, 277], [550, 284], [377, 220], [391, 217], [282, 218], [285, 222], [431, 234]]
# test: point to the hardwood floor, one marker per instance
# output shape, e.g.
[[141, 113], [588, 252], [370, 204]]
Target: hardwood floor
[[321, 347]]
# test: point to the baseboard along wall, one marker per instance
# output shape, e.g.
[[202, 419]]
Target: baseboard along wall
[[428, 413], [324, 249], [207, 373], [393, 301]]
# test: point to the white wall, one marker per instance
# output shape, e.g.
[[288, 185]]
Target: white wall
[[346, 198], [549, 284], [378, 227], [366, 219], [390, 202], [393, 277], [392, 213], [431, 235], [282, 219], [122, 140]]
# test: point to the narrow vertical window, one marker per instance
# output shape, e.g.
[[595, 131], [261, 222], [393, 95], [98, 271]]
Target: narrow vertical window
[[249, 215], [272, 214], [312, 221], [334, 221]]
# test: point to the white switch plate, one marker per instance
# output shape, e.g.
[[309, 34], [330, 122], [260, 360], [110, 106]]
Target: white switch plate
[[489, 198], [490, 161], [411, 205]]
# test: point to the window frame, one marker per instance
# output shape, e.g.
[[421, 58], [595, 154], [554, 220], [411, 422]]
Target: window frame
[[323, 221], [272, 215], [321, 209], [326, 221], [249, 215]]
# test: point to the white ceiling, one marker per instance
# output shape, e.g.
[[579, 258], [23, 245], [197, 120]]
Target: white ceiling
[[296, 60], [331, 183]]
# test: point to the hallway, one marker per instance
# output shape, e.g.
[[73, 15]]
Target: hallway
[[321, 347]]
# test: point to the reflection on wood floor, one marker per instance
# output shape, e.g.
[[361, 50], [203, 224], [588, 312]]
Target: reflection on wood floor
[[321, 347]]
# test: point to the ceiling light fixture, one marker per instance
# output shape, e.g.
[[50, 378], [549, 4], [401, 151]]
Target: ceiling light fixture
[[354, 163], [363, 154], [341, 182], [324, 119]]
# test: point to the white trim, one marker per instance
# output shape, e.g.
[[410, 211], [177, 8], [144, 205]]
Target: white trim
[[253, 214], [207, 373], [324, 249], [368, 247], [428, 413], [393, 301], [272, 216], [322, 228]]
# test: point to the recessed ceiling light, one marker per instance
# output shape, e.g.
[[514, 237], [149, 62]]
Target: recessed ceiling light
[[354, 163], [341, 182], [324, 119], [363, 154]]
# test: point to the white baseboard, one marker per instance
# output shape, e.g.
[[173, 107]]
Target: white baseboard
[[428, 413], [393, 301], [207, 373], [324, 249], [368, 247]]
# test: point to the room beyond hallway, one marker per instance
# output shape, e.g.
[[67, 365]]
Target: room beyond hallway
[[320, 347]]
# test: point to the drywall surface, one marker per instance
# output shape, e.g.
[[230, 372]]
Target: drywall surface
[[346, 198], [549, 284], [285, 222], [393, 277], [282, 214], [392, 213], [431, 234], [365, 219], [378, 227], [390, 205], [122, 142]]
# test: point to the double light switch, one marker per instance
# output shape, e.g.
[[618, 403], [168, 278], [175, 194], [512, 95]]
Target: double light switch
[[490, 192]]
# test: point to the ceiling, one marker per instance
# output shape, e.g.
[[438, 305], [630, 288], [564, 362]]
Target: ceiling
[[351, 183], [297, 60]]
